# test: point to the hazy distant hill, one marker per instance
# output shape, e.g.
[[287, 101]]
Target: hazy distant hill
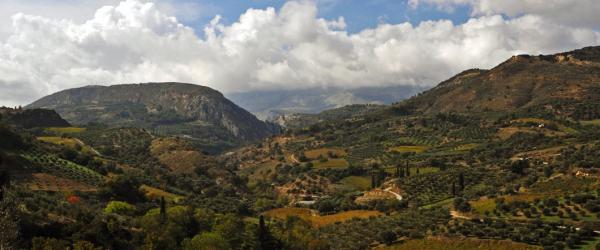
[[300, 120], [191, 110], [565, 83], [271, 104]]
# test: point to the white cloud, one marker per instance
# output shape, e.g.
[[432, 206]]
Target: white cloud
[[568, 12], [265, 49]]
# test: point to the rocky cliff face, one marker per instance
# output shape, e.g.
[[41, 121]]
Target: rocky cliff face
[[169, 108]]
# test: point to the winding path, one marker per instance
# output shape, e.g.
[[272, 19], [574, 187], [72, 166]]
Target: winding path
[[397, 195]]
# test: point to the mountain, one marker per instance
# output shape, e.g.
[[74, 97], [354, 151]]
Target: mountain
[[269, 105], [564, 83], [31, 118], [193, 111]]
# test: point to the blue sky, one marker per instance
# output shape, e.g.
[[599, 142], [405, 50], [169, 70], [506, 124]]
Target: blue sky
[[358, 14]]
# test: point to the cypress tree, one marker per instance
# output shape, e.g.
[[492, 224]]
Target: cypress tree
[[380, 177], [454, 189], [461, 181], [373, 181], [266, 240], [163, 210], [4, 178]]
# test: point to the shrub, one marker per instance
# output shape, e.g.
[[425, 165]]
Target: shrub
[[119, 207]]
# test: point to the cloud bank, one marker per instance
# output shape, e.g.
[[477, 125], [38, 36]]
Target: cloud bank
[[267, 49]]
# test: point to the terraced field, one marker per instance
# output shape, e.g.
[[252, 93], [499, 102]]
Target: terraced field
[[473, 133], [359, 154], [404, 149], [441, 243], [418, 140], [63, 168], [48, 182], [433, 187]]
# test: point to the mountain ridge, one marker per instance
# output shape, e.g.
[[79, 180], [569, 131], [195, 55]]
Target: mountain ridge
[[168, 107], [561, 83]]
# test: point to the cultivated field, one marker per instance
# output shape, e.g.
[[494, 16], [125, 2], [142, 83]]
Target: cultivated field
[[155, 194], [318, 220], [48, 182], [357, 182], [331, 163], [440, 243], [324, 152]]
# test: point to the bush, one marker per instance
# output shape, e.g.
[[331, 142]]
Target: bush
[[119, 207], [388, 237], [208, 241], [462, 205]]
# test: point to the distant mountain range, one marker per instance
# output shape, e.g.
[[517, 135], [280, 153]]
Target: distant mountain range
[[268, 105], [196, 112]]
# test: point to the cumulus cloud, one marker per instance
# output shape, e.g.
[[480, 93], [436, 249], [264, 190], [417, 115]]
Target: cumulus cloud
[[570, 12], [266, 49]]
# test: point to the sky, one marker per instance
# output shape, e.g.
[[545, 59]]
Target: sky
[[237, 46]]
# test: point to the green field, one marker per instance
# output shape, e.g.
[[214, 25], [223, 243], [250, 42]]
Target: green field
[[67, 130], [404, 149], [591, 122], [331, 163], [58, 140], [357, 182]]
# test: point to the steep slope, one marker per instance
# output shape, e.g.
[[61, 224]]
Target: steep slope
[[164, 108], [564, 83]]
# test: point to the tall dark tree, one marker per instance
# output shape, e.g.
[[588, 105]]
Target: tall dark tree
[[4, 178], [417, 170], [454, 189], [461, 181], [373, 180], [382, 174], [266, 240], [163, 210]]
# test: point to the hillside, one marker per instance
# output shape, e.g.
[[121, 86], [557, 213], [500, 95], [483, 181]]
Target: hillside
[[189, 110], [30, 118], [565, 83], [300, 120]]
